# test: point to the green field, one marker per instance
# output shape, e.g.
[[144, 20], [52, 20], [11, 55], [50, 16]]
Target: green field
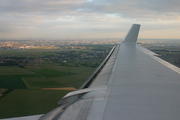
[[82, 73], [13, 70], [29, 102], [50, 73], [50, 76], [38, 83], [28, 98], [12, 83], [19, 76]]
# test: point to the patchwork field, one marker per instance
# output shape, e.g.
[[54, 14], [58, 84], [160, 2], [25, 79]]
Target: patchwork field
[[37, 77], [13, 70], [38, 81], [50, 73], [38, 88]]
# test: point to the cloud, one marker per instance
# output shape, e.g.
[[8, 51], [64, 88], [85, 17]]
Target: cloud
[[124, 8], [147, 9], [86, 16]]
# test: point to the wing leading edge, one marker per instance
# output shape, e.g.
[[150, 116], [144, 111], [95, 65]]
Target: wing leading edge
[[132, 84]]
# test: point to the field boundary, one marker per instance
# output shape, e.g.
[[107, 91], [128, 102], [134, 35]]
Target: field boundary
[[65, 88]]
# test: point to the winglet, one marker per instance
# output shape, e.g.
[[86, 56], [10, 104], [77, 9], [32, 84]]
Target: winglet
[[132, 35]]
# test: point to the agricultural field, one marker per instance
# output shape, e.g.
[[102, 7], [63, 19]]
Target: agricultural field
[[29, 102], [50, 73], [13, 70], [44, 77], [30, 95], [39, 78]]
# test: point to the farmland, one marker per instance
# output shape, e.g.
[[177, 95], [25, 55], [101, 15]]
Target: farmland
[[28, 98], [39, 78], [29, 102], [50, 73]]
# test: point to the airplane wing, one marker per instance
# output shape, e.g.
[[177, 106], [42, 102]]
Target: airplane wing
[[132, 83]]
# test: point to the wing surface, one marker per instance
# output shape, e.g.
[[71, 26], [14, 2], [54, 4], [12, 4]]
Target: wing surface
[[131, 84]]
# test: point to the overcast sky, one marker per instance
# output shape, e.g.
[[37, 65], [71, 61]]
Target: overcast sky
[[88, 18]]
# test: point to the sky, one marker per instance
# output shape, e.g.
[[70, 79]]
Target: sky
[[89, 18]]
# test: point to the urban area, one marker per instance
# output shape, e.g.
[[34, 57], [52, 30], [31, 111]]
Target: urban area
[[79, 52]]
